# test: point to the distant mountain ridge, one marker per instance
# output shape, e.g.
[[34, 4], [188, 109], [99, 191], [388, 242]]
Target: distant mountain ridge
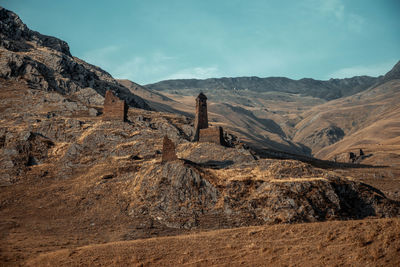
[[327, 90]]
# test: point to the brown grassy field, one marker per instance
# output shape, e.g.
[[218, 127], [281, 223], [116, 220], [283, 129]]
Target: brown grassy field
[[351, 243]]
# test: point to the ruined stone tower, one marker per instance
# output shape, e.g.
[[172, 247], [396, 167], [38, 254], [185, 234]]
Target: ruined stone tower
[[168, 153], [201, 120], [114, 108]]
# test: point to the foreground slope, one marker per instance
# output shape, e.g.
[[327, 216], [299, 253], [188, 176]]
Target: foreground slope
[[369, 243]]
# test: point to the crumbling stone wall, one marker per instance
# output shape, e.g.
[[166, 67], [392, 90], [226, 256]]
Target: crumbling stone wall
[[168, 153], [201, 119], [354, 158], [114, 108], [213, 135]]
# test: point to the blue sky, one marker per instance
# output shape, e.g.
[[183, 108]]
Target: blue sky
[[148, 41]]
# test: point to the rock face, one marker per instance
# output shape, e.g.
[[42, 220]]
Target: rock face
[[178, 193], [19, 151], [15, 35], [394, 73], [114, 108], [185, 195], [324, 137], [46, 63]]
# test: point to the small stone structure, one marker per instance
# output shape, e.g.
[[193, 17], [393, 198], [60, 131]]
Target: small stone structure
[[114, 108], [212, 135], [201, 119], [168, 152], [354, 158]]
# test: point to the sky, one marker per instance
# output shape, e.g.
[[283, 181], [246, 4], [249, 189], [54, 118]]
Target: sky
[[151, 40]]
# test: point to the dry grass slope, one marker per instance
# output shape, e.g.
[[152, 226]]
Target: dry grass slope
[[362, 243]]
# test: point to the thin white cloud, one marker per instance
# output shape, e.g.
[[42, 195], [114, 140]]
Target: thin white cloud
[[337, 9], [359, 70], [140, 69], [101, 56], [355, 23], [332, 7], [143, 69], [196, 73]]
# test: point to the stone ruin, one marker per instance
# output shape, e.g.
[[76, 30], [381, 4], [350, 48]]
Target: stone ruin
[[168, 152], [202, 132], [114, 108], [212, 135], [354, 158]]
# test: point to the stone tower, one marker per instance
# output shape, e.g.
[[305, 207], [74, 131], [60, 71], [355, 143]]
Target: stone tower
[[114, 108], [201, 120]]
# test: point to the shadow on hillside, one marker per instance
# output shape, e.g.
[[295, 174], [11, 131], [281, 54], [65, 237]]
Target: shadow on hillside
[[290, 146], [213, 164], [325, 164]]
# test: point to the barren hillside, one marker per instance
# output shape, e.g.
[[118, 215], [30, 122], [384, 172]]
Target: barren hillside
[[368, 120], [327, 244]]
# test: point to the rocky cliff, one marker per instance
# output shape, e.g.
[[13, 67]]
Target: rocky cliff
[[46, 63]]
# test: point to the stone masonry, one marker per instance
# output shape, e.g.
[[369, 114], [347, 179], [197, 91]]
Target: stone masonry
[[212, 135], [168, 153], [201, 119], [114, 108]]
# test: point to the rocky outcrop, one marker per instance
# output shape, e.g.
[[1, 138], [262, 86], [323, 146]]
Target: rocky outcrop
[[46, 63], [394, 73], [19, 151], [185, 195], [321, 138], [16, 36], [178, 194]]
